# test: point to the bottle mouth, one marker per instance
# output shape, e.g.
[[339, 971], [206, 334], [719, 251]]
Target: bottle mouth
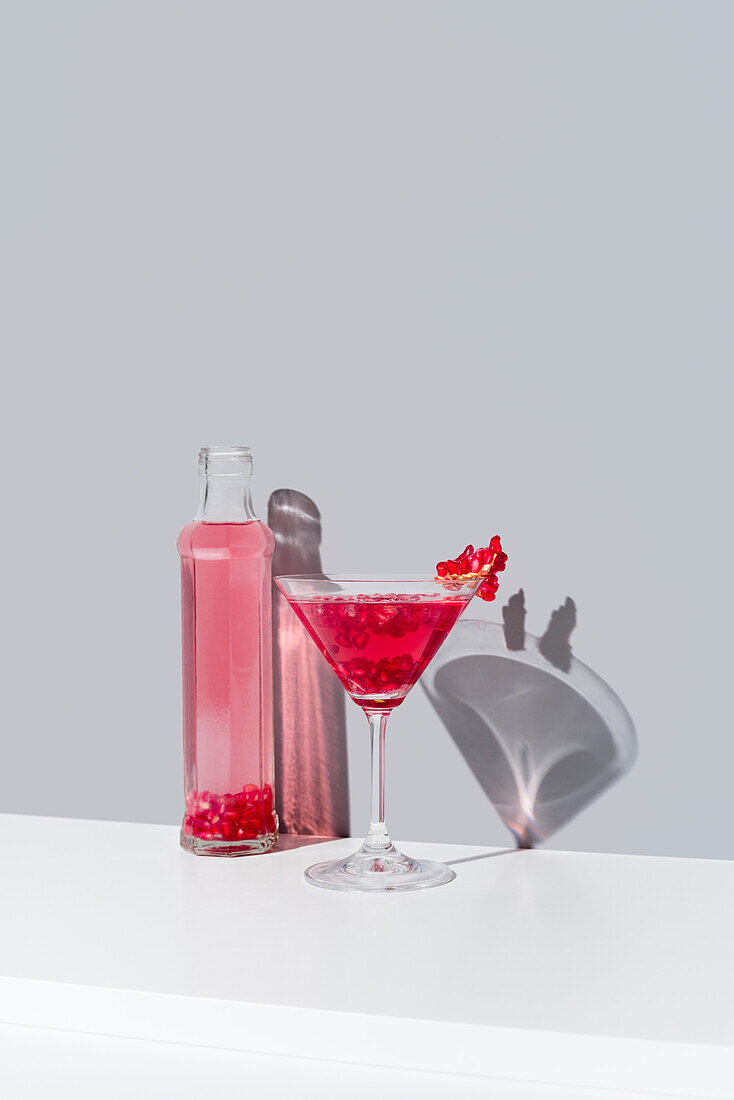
[[221, 458], [225, 450]]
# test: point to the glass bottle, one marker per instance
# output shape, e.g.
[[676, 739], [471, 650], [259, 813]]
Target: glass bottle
[[226, 555]]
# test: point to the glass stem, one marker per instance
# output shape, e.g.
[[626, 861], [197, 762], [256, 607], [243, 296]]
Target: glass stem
[[377, 839]]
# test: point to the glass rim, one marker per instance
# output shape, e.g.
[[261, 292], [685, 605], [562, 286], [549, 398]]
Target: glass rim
[[300, 586], [416, 578]]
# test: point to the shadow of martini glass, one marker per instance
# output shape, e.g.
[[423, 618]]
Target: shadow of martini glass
[[543, 741]]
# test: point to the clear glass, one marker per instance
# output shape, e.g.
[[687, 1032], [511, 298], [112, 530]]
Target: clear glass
[[379, 635], [226, 555]]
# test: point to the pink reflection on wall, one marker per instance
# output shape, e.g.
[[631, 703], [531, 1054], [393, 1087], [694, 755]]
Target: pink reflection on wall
[[311, 778]]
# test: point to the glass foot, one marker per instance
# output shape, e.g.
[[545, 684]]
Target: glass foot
[[386, 870]]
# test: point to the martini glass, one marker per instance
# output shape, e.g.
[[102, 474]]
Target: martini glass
[[378, 634]]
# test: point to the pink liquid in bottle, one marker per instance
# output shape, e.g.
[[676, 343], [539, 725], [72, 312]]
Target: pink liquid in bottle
[[227, 664]]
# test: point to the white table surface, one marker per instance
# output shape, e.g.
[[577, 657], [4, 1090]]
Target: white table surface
[[544, 968]]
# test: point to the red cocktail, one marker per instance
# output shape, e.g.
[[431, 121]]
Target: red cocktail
[[379, 644]]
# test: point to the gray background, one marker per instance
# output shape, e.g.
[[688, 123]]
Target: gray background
[[450, 269]]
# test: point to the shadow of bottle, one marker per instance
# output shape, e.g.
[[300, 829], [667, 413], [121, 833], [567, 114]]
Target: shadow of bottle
[[309, 717], [542, 733]]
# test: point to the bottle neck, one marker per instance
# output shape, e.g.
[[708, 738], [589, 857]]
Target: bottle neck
[[225, 474], [225, 498]]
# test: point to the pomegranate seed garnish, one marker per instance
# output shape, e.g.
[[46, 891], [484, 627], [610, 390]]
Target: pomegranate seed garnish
[[485, 562]]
